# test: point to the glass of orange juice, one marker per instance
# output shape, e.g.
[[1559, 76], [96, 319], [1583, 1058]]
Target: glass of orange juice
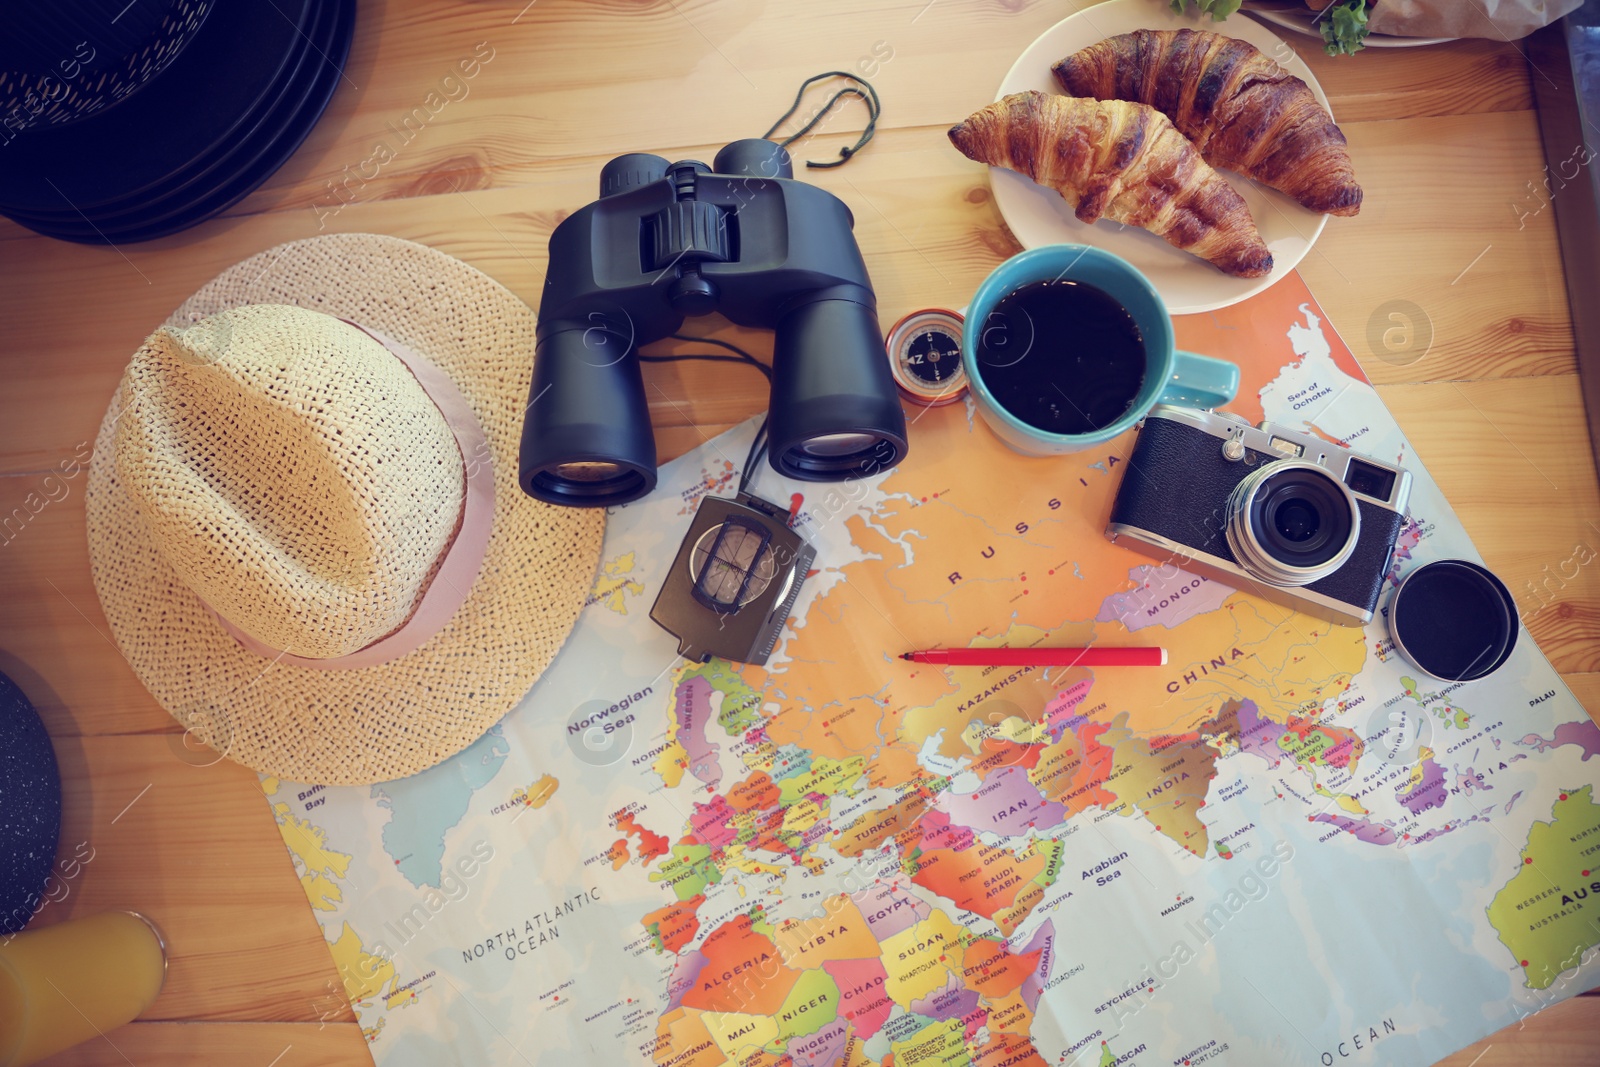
[[67, 983]]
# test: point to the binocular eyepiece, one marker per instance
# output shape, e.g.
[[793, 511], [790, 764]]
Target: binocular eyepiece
[[669, 240]]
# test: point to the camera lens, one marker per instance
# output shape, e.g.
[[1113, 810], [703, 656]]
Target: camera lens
[[1292, 523], [1301, 518], [1297, 521]]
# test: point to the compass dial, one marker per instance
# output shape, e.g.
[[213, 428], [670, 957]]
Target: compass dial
[[925, 355]]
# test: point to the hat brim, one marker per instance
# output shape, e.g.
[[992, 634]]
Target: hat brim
[[355, 727]]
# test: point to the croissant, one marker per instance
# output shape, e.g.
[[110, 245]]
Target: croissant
[[1242, 110], [1121, 161]]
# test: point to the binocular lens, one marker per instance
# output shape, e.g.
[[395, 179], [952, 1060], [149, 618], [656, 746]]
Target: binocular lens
[[588, 486], [839, 444], [586, 471], [833, 457]]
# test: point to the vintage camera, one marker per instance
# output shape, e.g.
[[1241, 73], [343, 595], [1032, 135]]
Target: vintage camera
[[1281, 514]]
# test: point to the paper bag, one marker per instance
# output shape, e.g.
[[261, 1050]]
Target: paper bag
[[1495, 19]]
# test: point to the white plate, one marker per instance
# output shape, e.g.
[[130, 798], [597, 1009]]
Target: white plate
[[1304, 20], [1040, 216]]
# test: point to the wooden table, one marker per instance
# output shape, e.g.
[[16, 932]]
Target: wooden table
[[1445, 143]]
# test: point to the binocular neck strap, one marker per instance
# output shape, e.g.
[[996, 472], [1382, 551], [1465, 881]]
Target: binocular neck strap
[[869, 96]]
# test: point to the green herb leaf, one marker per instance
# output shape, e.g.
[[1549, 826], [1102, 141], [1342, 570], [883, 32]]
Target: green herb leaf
[[1217, 9], [1344, 28]]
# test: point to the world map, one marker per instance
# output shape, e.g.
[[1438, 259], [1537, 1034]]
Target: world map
[[1287, 847]]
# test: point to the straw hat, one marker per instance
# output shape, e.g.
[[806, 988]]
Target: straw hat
[[304, 521]]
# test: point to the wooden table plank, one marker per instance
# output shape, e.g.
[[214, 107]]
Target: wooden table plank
[[191, 843], [1562, 1035], [721, 71], [1586, 687], [1440, 228], [211, 1044], [1472, 77], [56, 643], [1503, 452], [194, 847]]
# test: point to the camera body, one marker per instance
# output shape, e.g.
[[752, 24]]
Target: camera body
[[670, 240], [1285, 515]]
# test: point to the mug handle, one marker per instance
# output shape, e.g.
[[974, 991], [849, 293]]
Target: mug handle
[[1200, 381]]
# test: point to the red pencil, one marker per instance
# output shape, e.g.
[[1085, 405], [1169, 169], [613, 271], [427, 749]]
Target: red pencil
[[1041, 657]]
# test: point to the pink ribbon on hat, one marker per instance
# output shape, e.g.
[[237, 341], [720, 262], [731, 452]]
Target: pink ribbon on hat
[[463, 557]]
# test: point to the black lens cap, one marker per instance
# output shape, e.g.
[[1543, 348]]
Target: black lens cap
[[1454, 620]]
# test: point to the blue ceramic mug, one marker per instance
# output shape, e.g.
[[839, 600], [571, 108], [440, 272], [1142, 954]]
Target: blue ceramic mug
[[1171, 376]]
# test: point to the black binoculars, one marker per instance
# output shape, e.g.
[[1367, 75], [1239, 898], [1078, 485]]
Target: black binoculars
[[670, 240]]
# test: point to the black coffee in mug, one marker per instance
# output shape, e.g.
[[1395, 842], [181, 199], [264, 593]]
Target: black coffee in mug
[[1063, 356]]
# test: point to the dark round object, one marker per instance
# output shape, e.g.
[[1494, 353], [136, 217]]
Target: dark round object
[[755, 157], [1454, 620], [938, 358], [198, 101], [631, 171], [221, 177], [589, 483], [237, 154], [259, 138], [925, 357], [291, 133], [830, 456], [694, 295], [30, 807], [64, 60], [1300, 518]]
